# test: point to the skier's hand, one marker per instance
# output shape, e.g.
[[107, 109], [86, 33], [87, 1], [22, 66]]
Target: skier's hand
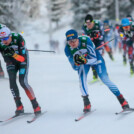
[[79, 60], [129, 34], [8, 51], [96, 35]]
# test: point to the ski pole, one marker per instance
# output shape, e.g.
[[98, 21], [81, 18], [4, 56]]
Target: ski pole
[[108, 29], [41, 51], [104, 43]]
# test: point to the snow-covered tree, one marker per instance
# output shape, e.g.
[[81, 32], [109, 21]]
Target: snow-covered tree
[[125, 8], [100, 9], [14, 12], [81, 8], [57, 9]]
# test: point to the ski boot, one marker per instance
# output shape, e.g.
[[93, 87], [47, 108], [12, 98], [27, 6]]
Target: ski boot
[[131, 72], [95, 76], [131, 69], [37, 110], [124, 60], [111, 55], [36, 107], [87, 105], [19, 110], [123, 102]]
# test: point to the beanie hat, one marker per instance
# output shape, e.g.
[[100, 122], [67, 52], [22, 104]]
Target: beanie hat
[[89, 18], [71, 34]]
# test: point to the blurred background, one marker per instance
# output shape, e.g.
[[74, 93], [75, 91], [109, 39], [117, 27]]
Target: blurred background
[[43, 23]]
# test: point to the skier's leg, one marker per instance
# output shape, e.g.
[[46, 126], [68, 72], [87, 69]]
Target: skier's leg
[[111, 54], [83, 71], [102, 73], [109, 51], [12, 71], [124, 54], [95, 76], [131, 60], [23, 79]]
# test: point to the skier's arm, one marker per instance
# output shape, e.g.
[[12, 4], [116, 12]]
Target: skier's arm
[[70, 58], [91, 56], [9, 51], [22, 50]]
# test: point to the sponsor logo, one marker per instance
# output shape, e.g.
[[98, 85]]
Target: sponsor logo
[[70, 35], [2, 34], [83, 44], [22, 71], [23, 51]]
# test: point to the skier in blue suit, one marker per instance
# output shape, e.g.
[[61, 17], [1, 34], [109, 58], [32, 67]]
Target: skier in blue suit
[[82, 54]]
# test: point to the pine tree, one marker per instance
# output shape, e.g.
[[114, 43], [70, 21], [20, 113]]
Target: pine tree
[[56, 10], [14, 12]]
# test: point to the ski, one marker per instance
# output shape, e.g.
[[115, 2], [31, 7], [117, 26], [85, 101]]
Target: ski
[[84, 115], [15, 117], [125, 111], [36, 117]]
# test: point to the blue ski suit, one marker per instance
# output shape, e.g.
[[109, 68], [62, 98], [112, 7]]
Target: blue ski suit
[[94, 58]]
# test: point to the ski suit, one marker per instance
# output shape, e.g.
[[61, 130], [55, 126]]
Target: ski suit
[[127, 38], [96, 34], [94, 58], [13, 66]]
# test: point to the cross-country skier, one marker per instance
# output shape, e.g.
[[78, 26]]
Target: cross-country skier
[[117, 40], [15, 55], [108, 31], [127, 36], [82, 55], [95, 30], [131, 21]]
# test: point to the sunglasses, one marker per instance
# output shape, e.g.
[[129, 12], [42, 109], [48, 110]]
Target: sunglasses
[[4, 39], [126, 27], [88, 23], [72, 41]]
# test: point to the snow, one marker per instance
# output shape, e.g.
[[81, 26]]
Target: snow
[[56, 87]]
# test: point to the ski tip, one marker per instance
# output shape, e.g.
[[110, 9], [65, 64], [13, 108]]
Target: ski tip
[[76, 120], [116, 113], [36, 116], [129, 110], [29, 121]]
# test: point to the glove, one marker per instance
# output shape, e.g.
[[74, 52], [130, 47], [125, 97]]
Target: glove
[[121, 35], [8, 51], [79, 60], [95, 35]]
